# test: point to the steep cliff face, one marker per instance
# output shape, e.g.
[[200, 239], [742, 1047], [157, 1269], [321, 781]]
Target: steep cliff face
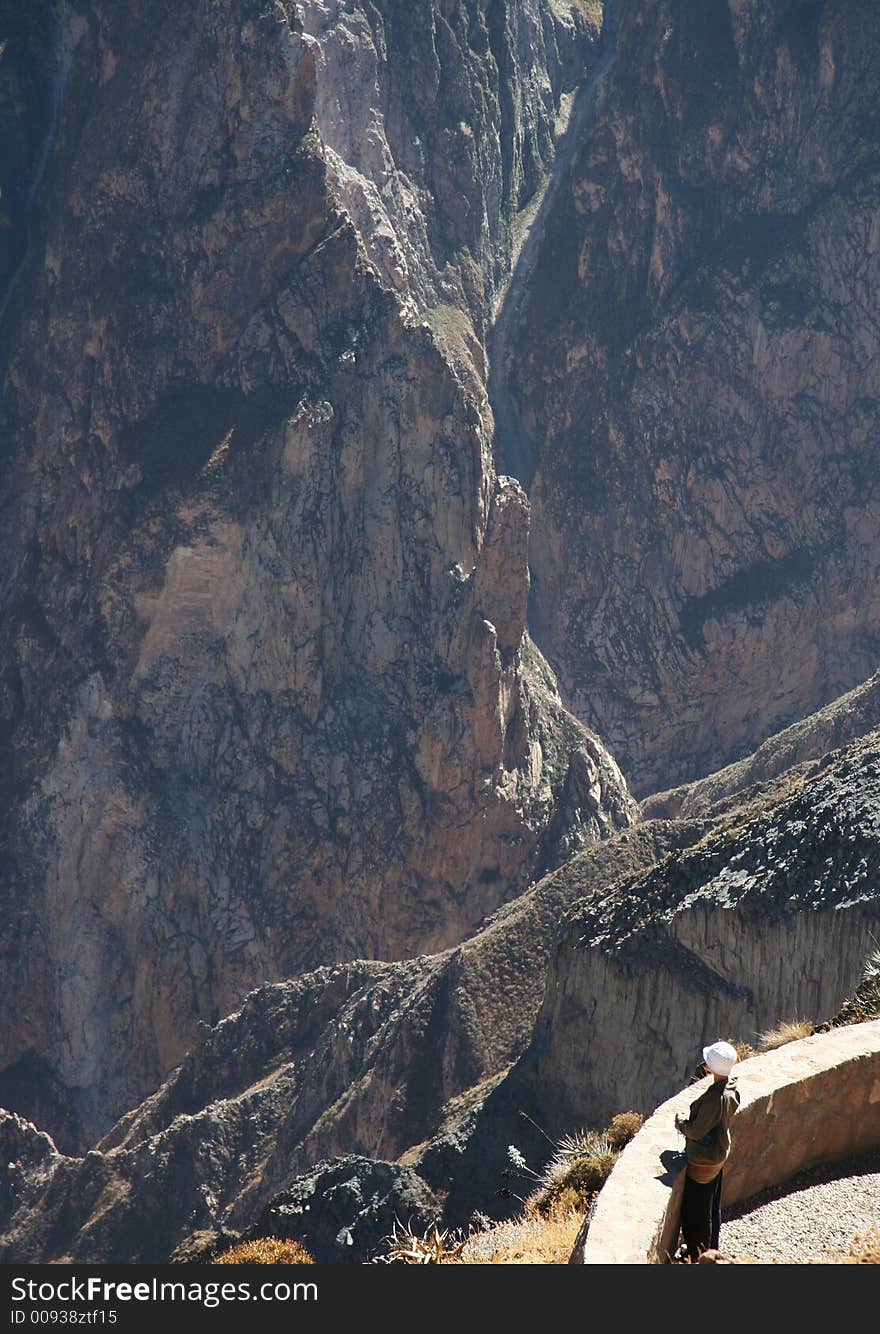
[[696, 375], [30, 88], [770, 916], [439, 121], [266, 696]]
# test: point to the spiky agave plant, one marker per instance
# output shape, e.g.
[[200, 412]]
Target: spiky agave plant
[[437, 1246], [578, 1169], [579, 1144]]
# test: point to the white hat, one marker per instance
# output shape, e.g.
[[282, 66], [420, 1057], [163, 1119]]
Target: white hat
[[720, 1058]]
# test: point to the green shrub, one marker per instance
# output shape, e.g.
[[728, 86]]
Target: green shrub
[[588, 1175], [579, 1168], [577, 1171]]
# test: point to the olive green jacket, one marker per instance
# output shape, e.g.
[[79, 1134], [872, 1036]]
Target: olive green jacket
[[707, 1129]]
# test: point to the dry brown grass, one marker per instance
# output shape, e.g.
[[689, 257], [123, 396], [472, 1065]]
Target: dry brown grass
[[789, 1031], [525, 1241], [521, 1241], [266, 1251], [864, 1004]]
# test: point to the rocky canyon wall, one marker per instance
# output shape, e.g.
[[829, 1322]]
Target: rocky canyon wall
[[695, 373], [293, 806], [266, 696]]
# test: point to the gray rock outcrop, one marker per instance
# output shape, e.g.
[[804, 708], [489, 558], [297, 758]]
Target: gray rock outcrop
[[344, 1211]]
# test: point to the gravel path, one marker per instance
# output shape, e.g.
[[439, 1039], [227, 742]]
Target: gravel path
[[818, 1212]]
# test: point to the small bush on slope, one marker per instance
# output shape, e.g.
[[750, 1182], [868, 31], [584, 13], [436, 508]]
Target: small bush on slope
[[580, 1166], [266, 1251], [624, 1126], [578, 1171]]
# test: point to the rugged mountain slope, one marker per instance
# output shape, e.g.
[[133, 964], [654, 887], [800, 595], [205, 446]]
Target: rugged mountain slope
[[843, 720], [696, 371], [770, 916], [370, 1058], [671, 932], [266, 699]]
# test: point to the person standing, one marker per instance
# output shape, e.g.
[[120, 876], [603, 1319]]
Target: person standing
[[707, 1145]]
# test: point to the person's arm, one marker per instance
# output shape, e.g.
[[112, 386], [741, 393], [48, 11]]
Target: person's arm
[[708, 1114]]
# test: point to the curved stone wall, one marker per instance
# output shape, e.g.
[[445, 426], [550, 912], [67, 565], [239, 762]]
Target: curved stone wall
[[809, 1102]]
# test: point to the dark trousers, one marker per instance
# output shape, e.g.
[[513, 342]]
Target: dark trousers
[[701, 1215]]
